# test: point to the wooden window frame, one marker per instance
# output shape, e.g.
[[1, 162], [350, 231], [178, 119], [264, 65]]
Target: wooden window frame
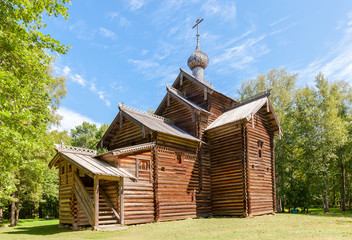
[[63, 170], [147, 165], [260, 149], [177, 154]]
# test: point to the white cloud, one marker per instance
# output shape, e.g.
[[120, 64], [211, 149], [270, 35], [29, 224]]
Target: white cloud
[[280, 20], [239, 56], [226, 10], [66, 71], [136, 4], [78, 79], [282, 29], [118, 18], [82, 30], [101, 94], [336, 64], [70, 119], [144, 52], [153, 70], [107, 33]]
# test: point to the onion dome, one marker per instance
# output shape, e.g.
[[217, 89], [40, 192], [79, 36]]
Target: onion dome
[[198, 59]]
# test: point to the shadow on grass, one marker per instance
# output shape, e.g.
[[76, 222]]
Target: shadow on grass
[[321, 214], [38, 230]]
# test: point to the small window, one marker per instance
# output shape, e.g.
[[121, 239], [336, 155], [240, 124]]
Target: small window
[[69, 168], [179, 158], [144, 165], [63, 170], [260, 149]]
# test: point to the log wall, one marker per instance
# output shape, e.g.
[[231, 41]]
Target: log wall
[[139, 195], [181, 115], [130, 134], [227, 170], [177, 184], [66, 206], [261, 183]]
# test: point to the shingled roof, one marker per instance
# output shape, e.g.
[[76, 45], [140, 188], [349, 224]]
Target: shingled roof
[[155, 122], [179, 96], [85, 160], [246, 110]]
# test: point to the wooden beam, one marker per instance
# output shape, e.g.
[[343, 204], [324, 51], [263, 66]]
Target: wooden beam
[[181, 79], [205, 93], [122, 199], [96, 202], [137, 169], [121, 119], [143, 131], [168, 99], [105, 196], [86, 171], [267, 105]]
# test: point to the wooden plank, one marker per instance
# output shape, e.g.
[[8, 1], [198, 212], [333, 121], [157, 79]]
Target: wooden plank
[[122, 201], [96, 202], [110, 204]]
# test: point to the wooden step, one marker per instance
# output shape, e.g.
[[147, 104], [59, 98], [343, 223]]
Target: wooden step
[[108, 222], [105, 211], [112, 217]]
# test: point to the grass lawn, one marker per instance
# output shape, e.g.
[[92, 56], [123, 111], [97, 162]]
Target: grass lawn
[[281, 226]]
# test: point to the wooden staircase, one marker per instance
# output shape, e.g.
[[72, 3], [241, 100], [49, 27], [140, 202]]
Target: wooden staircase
[[107, 214]]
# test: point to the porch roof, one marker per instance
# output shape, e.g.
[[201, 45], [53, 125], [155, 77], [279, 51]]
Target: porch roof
[[87, 162]]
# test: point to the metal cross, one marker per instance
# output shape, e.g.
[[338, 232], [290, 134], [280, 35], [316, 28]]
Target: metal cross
[[197, 24]]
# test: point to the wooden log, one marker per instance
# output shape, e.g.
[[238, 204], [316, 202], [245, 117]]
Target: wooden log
[[96, 202]]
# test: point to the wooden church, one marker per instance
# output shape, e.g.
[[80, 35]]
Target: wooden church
[[201, 154]]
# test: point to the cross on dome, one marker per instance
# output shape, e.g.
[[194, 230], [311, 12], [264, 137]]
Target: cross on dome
[[198, 60]]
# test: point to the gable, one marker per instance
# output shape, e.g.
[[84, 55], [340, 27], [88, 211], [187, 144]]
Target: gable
[[247, 110]]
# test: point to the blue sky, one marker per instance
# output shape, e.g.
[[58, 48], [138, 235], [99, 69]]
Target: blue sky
[[126, 51]]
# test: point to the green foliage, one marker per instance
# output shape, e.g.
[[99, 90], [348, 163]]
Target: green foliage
[[29, 95], [87, 135], [317, 135]]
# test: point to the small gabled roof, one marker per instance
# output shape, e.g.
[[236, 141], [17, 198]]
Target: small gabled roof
[[179, 96], [245, 110], [203, 83], [189, 76], [155, 122], [85, 160], [129, 149]]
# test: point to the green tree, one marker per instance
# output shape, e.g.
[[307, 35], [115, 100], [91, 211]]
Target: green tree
[[28, 93], [87, 135], [283, 87]]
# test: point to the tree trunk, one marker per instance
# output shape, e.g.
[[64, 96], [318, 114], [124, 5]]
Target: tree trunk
[[343, 186], [325, 197], [278, 205], [17, 214], [13, 211], [1, 216]]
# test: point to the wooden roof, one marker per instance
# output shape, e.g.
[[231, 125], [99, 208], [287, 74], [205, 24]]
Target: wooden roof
[[148, 121], [129, 149], [87, 162], [179, 96], [155, 122], [246, 110], [207, 85]]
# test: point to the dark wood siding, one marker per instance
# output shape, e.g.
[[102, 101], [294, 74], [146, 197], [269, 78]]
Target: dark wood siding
[[177, 184], [227, 170], [130, 134], [261, 184], [66, 201], [139, 195]]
